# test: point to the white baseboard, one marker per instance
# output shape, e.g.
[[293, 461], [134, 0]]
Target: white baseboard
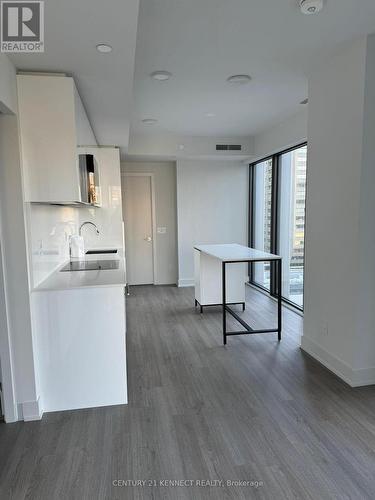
[[354, 378], [30, 410], [12, 416], [186, 282], [364, 376]]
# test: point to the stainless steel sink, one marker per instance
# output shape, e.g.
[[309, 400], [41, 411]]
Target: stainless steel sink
[[91, 265]]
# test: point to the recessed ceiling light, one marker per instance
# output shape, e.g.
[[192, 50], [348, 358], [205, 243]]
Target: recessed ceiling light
[[161, 76], [311, 6], [181, 147], [149, 121], [104, 48], [210, 115], [239, 79]]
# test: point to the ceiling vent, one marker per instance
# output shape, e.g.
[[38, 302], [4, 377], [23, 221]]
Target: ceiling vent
[[228, 147]]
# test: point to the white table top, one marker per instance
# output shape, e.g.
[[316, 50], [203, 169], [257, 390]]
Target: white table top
[[234, 252], [69, 280]]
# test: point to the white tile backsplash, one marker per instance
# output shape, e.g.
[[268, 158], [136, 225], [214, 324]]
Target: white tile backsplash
[[109, 223], [49, 230]]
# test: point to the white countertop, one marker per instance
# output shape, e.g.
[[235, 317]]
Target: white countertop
[[234, 252], [86, 279]]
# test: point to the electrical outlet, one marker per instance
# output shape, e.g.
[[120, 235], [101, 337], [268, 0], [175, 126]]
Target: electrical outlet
[[324, 328]]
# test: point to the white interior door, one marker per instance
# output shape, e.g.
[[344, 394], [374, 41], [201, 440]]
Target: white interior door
[[137, 205]]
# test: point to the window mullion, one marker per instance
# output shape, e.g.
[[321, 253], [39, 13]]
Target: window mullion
[[274, 219], [251, 220]]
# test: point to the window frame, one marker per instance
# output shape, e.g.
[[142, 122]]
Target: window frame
[[274, 220], [251, 233]]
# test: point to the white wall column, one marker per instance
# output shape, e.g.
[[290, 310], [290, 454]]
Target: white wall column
[[340, 236], [17, 346], [16, 270]]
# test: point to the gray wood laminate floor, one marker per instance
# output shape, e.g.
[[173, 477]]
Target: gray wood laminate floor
[[256, 410]]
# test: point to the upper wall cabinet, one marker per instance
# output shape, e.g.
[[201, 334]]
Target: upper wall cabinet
[[53, 123]]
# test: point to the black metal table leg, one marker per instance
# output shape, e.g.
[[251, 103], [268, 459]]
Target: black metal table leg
[[224, 304], [279, 301], [226, 309]]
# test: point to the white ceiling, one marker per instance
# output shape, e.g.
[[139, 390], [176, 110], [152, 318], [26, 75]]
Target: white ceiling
[[201, 42], [73, 28]]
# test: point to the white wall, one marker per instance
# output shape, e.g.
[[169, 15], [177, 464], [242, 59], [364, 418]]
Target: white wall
[[6, 356], [166, 215], [288, 133], [8, 104], [340, 234], [8, 89], [169, 145], [212, 207], [365, 344]]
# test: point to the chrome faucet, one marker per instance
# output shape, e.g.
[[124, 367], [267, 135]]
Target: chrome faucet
[[88, 222]]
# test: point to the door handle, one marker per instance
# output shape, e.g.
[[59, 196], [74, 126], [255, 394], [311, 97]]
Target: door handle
[[148, 238]]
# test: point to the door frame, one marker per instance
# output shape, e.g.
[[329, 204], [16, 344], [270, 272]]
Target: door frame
[[153, 215]]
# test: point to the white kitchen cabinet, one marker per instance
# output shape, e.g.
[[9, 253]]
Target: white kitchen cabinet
[[208, 280], [80, 338], [52, 124]]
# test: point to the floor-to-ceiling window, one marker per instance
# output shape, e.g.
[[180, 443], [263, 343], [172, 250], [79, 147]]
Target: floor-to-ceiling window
[[277, 220], [291, 226], [262, 219]]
